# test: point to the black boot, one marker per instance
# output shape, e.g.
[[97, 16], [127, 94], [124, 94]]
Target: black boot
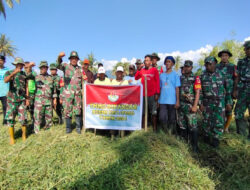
[[68, 125], [184, 134], [206, 139], [78, 124], [194, 140], [215, 142], [241, 125]]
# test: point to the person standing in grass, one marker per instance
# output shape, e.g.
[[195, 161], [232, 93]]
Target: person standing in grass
[[153, 88], [243, 93], [169, 97], [102, 79], [189, 98], [72, 90], [131, 77], [89, 76], [31, 89], [16, 98], [56, 78], [45, 97], [229, 71], [216, 95], [155, 59], [3, 86], [119, 77]]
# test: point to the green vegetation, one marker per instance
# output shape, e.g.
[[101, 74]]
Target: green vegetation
[[54, 160]]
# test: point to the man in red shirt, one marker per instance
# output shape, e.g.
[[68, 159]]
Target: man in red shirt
[[153, 87]]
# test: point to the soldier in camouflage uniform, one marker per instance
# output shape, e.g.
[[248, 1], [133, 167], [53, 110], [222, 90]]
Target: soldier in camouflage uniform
[[215, 94], [72, 93], [57, 78], [189, 98], [243, 91], [16, 98], [45, 94], [230, 73], [31, 89]]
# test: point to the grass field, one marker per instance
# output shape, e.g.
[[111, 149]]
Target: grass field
[[142, 160]]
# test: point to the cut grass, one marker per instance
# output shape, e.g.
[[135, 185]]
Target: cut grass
[[54, 160]]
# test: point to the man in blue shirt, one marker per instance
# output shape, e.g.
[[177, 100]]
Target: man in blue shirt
[[169, 96], [131, 77], [3, 86]]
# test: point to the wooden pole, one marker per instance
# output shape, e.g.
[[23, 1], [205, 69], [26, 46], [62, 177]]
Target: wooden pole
[[83, 108], [146, 103]]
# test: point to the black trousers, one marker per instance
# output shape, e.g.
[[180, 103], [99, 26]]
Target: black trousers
[[4, 106], [167, 114]]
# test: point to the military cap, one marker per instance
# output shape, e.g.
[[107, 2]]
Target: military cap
[[247, 44], [155, 55], [52, 66], [73, 54], [43, 64], [210, 59], [188, 63], [18, 60], [138, 61], [225, 51]]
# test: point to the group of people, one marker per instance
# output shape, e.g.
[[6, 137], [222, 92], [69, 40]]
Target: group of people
[[174, 101]]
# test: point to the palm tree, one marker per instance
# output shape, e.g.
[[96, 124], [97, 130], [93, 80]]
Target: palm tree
[[125, 66], [177, 62], [9, 3], [6, 46]]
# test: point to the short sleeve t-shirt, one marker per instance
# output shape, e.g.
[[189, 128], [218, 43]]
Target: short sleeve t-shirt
[[118, 83], [168, 84], [3, 86], [134, 82], [104, 82]]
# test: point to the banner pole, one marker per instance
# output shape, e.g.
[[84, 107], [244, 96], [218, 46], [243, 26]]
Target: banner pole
[[146, 103], [83, 108]]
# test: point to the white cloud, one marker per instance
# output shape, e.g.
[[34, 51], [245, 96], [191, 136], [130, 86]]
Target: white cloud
[[193, 55], [247, 39]]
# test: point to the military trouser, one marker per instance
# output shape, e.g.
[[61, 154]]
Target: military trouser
[[13, 109], [31, 106], [243, 103], [59, 108], [187, 119], [72, 103], [42, 112], [213, 117]]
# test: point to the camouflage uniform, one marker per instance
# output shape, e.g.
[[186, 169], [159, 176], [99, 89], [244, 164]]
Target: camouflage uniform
[[215, 94], [31, 97], [187, 120], [56, 78], [16, 99], [45, 92], [72, 92], [229, 72], [243, 102]]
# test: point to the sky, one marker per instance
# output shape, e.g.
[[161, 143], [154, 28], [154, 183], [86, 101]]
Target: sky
[[123, 30]]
